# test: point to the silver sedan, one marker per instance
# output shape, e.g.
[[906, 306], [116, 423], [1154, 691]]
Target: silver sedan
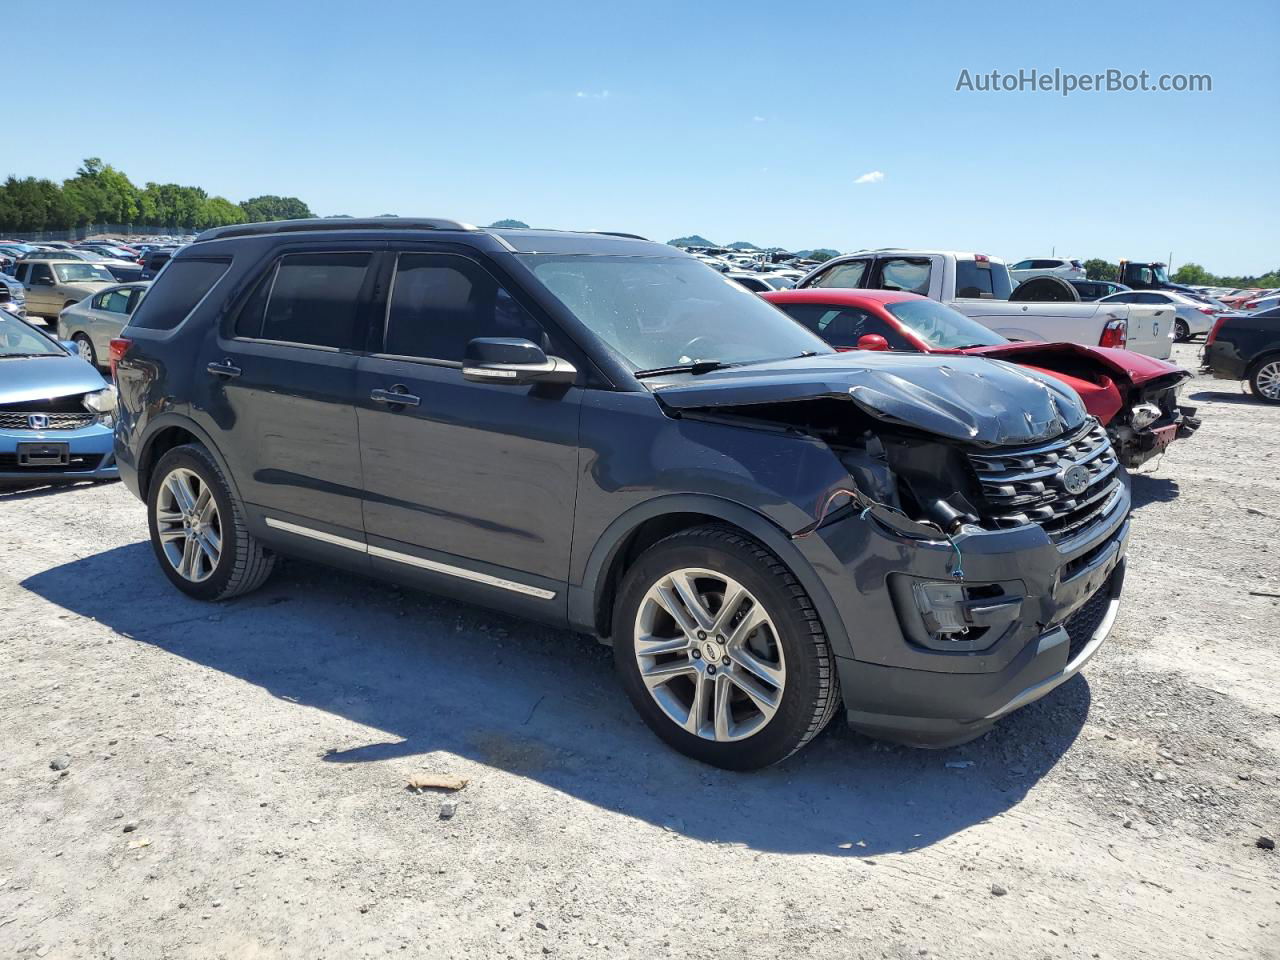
[[94, 321], [1192, 317]]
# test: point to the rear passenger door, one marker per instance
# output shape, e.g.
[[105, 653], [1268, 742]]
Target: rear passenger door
[[283, 382], [469, 487]]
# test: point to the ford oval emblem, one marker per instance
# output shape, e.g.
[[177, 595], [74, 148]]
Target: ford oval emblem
[[1075, 479]]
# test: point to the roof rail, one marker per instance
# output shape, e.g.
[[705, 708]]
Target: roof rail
[[332, 223], [616, 233]]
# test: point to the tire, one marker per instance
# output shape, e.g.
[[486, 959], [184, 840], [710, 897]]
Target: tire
[[733, 730], [69, 303], [85, 347], [241, 565], [1264, 379], [1181, 332]]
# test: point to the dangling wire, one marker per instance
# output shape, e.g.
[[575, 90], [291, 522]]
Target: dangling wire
[[867, 504]]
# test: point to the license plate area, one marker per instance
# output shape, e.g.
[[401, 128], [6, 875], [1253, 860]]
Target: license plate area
[[42, 454]]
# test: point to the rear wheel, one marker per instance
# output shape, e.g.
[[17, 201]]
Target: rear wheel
[[721, 651], [1181, 332], [84, 348], [1265, 380], [198, 530]]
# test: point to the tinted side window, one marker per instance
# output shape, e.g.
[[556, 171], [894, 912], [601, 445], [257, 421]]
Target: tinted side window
[[176, 292], [843, 275], [842, 326], [439, 302], [117, 301], [910, 275], [974, 280], [309, 298]]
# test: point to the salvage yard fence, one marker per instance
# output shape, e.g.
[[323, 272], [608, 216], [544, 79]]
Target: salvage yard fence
[[97, 229]]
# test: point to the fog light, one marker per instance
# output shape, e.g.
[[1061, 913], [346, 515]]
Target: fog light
[[941, 605], [1143, 415]]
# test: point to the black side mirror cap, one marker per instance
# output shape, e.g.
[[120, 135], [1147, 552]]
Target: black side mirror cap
[[514, 361]]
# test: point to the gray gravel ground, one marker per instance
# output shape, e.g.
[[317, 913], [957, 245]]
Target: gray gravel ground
[[232, 777]]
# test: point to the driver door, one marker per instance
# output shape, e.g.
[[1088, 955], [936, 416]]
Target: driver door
[[468, 487]]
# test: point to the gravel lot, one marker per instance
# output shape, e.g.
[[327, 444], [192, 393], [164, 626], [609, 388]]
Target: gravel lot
[[232, 778]]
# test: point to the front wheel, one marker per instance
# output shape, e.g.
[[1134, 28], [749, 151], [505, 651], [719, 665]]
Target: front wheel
[[721, 651], [198, 529], [84, 348], [1181, 332]]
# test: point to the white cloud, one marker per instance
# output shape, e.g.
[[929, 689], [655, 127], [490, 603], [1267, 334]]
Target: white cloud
[[875, 176], [587, 95], [757, 119]]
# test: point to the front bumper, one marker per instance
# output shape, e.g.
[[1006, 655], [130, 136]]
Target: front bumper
[[1136, 447], [900, 685], [91, 455]]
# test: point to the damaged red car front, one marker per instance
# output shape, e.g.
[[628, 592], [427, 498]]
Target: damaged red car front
[[1134, 396]]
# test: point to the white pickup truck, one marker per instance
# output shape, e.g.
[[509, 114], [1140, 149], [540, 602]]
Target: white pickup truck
[[979, 287]]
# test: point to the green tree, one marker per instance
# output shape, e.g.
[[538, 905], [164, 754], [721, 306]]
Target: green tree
[[1101, 269], [1193, 273], [99, 193], [509, 224], [271, 207], [822, 256], [29, 205], [218, 212]]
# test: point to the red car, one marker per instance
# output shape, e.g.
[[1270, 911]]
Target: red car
[[1134, 396]]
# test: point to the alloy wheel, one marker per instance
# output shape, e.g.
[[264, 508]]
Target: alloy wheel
[[84, 349], [188, 524], [1181, 332], [1268, 380], [709, 655]]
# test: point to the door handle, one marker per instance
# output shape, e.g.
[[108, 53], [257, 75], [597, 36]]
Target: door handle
[[397, 396], [224, 368]]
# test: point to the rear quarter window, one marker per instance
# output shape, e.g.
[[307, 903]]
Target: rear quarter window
[[175, 292]]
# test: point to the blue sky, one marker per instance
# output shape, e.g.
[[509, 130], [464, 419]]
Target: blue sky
[[743, 121]]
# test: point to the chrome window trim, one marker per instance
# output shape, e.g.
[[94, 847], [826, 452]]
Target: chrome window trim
[[422, 562]]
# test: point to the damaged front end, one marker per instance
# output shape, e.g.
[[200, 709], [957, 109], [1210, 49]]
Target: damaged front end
[[976, 542], [1134, 396]]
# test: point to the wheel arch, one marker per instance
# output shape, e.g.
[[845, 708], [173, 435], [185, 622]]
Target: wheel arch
[[629, 535], [173, 430]]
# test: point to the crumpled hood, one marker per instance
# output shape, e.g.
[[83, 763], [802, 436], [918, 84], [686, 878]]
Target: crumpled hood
[[971, 399], [1124, 365], [42, 378]]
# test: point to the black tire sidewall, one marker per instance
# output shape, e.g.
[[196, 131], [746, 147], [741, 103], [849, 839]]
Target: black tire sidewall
[[789, 726], [198, 461], [1181, 331]]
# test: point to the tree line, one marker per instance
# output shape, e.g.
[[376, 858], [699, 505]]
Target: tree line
[[99, 193]]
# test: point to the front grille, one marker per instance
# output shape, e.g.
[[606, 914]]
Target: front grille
[[1027, 484], [56, 421], [1084, 623], [78, 463]]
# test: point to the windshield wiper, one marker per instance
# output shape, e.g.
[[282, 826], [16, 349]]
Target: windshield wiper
[[695, 368]]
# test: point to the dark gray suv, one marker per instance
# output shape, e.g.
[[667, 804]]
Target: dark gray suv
[[602, 433]]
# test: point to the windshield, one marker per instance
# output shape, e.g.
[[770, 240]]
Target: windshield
[[1161, 274], [670, 311], [80, 272], [941, 327], [19, 340]]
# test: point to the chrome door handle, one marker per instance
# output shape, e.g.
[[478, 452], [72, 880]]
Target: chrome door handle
[[397, 396], [224, 368]]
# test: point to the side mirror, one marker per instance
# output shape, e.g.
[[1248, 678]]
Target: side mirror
[[872, 341], [71, 347], [513, 361]]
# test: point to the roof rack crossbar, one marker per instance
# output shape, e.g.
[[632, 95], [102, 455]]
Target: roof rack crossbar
[[332, 223]]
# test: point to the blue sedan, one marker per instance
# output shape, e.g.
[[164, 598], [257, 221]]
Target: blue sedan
[[56, 411]]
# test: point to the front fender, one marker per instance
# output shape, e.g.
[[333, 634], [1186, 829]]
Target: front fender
[[804, 557]]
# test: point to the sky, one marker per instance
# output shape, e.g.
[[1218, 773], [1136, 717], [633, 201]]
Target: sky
[[833, 125]]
